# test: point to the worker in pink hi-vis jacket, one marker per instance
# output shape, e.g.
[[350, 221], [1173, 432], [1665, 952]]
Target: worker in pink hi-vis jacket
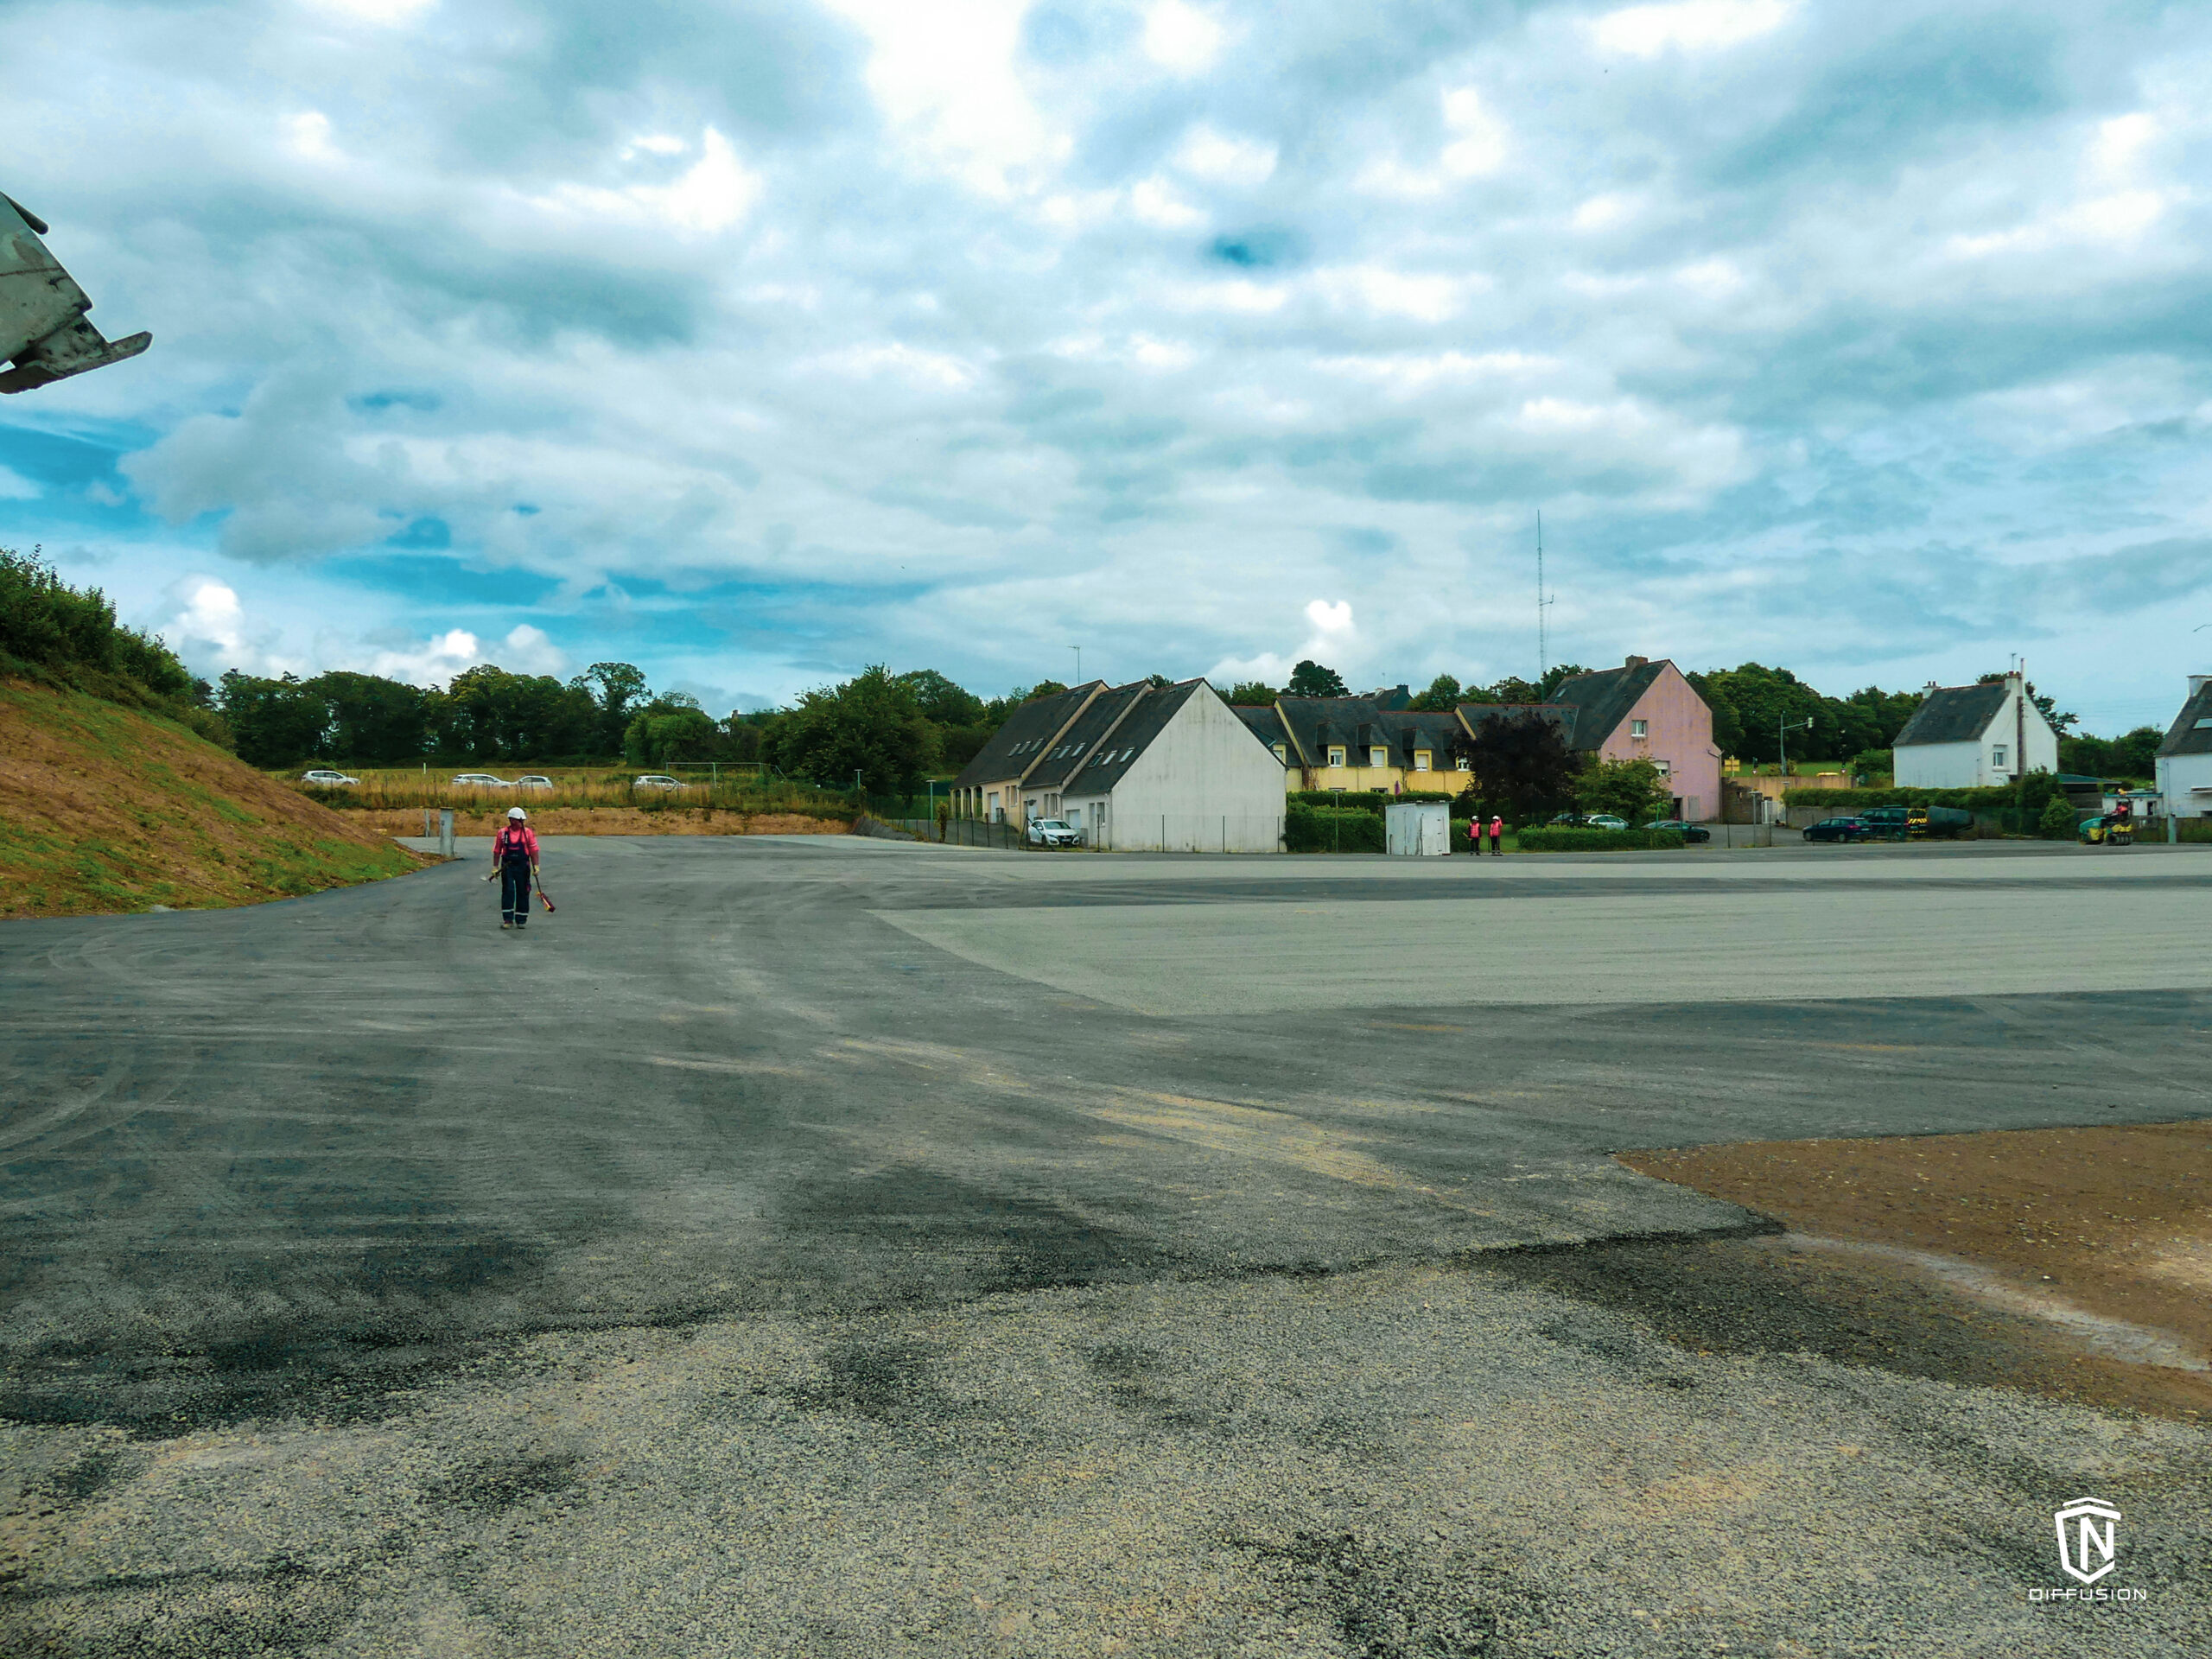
[[1496, 835], [514, 862]]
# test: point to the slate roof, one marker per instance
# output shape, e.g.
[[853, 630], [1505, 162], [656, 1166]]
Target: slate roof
[[2192, 728], [1060, 761], [1953, 714], [1566, 717], [1152, 707], [1601, 701], [1015, 747], [1264, 723]]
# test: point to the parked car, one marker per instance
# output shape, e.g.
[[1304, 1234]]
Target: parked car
[[532, 780], [1053, 832], [1691, 833], [478, 781], [1844, 828], [328, 778], [1605, 821], [655, 780]]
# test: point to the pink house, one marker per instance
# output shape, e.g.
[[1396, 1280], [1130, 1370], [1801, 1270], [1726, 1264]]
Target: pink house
[[1647, 711]]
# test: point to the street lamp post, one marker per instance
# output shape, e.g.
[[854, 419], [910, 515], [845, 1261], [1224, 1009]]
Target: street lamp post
[[1781, 730]]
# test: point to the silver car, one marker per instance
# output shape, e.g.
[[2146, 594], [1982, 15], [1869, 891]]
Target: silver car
[[655, 780], [478, 781], [533, 780], [326, 778]]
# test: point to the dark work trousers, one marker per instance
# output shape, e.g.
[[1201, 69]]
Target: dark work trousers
[[514, 888], [1496, 851]]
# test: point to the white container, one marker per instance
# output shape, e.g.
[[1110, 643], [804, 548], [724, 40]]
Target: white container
[[1417, 829]]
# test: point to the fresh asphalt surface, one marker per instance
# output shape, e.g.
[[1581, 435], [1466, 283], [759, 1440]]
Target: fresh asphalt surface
[[824, 1245]]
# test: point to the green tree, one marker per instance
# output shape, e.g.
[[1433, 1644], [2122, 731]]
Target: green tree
[[45, 624], [1441, 697], [2085, 756], [2135, 754], [657, 736], [870, 725], [1521, 768], [1251, 694], [617, 691], [1763, 699], [371, 719], [2057, 821], [276, 722], [940, 699], [1633, 790], [1310, 679]]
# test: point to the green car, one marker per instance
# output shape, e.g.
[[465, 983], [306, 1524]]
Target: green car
[[1690, 833]]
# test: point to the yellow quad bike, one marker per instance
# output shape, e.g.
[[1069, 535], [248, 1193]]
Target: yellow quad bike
[[43, 330]]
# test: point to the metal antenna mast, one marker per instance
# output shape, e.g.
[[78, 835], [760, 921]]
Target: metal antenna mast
[[1543, 639]]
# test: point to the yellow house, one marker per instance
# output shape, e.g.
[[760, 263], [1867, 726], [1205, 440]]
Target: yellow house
[[1373, 742]]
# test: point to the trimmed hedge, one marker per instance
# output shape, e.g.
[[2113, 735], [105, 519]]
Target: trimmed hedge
[[1567, 839], [1331, 829], [1369, 800], [1969, 800]]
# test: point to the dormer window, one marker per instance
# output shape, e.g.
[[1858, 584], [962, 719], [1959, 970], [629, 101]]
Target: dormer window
[[1281, 753], [1336, 754], [1378, 756], [1421, 760]]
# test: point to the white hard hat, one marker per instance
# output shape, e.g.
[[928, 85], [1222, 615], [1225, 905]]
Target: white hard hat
[[516, 812]]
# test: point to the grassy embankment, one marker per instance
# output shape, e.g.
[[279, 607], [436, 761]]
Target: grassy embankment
[[582, 801], [105, 808]]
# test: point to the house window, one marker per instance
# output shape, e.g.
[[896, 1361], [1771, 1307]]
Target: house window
[[1458, 763], [1663, 766], [1336, 756], [1378, 757], [1421, 760], [1281, 753], [1997, 753], [1639, 728]]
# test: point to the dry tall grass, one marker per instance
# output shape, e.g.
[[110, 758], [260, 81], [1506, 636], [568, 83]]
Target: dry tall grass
[[397, 788]]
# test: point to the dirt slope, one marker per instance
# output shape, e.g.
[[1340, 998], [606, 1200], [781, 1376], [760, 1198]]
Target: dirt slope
[[103, 808]]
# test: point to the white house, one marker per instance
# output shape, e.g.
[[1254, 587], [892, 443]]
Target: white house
[[2185, 758], [1137, 768], [1974, 737]]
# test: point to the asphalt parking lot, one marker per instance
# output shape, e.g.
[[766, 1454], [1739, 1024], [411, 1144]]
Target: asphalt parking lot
[[832, 1246]]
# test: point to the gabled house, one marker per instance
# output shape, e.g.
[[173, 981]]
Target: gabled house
[[1974, 737], [1134, 767], [1642, 710], [2185, 757], [1359, 743], [1647, 710]]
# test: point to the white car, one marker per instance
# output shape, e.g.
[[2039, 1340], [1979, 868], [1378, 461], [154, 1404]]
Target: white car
[[328, 778], [533, 780], [1053, 832], [655, 780], [1605, 821], [478, 781]]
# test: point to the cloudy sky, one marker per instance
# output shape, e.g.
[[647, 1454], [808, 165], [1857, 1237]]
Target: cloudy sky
[[755, 340]]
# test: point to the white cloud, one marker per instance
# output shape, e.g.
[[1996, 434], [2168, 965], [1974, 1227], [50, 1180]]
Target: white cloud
[[1155, 201], [947, 76], [1223, 158], [1475, 146], [712, 195], [13, 486], [308, 135], [1329, 620], [1181, 38], [1689, 26], [433, 663], [907, 362], [1423, 296], [381, 13], [527, 650]]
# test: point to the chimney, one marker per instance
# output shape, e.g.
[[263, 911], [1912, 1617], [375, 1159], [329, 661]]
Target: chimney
[[2196, 682], [1931, 689], [1638, 662]]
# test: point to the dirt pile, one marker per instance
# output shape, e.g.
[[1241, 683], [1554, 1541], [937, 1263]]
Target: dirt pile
[[104, 808], [2101, 1237]]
